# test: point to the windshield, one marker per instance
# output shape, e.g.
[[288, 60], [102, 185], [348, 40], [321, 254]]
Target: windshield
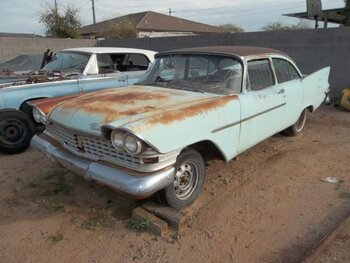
[[202, 73], [68, 62]]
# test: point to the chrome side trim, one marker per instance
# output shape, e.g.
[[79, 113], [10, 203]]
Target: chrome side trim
[[263, 112], [247, 119], [138, 185]]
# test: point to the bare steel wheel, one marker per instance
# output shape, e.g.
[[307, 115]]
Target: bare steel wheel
[[297, 127], [189, 180], [186, 179]]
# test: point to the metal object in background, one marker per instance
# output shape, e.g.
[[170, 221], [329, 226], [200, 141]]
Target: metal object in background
[[314, 10]]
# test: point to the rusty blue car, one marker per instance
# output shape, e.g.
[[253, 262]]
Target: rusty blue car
[[152, 137], [70, 71]]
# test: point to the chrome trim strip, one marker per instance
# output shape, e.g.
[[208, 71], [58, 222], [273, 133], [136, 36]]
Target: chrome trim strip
[[226, 127], [263, 112], [248, 118]]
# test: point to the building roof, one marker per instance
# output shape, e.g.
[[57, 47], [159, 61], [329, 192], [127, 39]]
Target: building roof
[[237, 51], [330, 15], [152, 21]]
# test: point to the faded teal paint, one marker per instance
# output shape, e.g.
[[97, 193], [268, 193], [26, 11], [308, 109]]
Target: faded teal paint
[[233, 123]]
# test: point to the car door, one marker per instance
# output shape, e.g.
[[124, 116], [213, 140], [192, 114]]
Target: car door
[[261, 104], [290, 87]]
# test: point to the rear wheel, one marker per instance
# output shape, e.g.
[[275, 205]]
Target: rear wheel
[[16, 131], [189, 180], [297, 127]]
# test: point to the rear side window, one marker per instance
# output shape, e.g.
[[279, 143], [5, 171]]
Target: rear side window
[[260, 74], [285, 71]]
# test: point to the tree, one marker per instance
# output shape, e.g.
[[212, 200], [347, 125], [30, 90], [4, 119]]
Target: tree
[[120, 29], [58, 25], [231, 28], [346, 13], [279, 26]]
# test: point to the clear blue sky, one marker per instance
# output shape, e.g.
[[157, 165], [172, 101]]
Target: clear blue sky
[[21, 16]]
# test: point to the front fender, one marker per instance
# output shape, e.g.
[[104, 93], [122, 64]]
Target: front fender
[[216, 120]]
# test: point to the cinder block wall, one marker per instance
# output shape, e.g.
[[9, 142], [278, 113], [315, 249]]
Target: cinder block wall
[[311, 49], [11, 47]]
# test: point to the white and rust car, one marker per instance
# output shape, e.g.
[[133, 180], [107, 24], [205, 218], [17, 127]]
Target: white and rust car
[[151, 137]]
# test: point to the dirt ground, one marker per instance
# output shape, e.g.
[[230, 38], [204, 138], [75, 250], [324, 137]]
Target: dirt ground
[[268, 206]]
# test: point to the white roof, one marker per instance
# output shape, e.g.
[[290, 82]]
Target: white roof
[[103, 50]]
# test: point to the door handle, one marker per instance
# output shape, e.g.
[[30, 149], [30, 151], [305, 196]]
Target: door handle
[[282, 91]]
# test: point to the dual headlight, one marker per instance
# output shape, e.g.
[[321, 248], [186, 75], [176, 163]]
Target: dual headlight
[[126, 141], [39, 116]]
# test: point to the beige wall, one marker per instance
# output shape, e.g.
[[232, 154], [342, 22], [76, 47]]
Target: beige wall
[[11, 47]]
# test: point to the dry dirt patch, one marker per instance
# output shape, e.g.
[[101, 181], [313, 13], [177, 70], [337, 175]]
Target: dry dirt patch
[[269, 205]]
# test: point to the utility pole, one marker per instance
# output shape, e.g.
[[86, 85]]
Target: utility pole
[[170, 12], [56, 6], [93, 11]]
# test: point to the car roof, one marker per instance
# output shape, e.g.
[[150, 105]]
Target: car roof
[[103, 50], [236, 51]]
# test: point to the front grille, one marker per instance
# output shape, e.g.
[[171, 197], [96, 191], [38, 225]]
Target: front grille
[[92, 147]]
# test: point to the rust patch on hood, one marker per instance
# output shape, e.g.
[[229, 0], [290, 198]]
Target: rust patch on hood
[[47, 105], [113, 104], [168, 117]]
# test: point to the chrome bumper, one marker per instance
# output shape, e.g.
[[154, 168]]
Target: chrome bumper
[[137, 185]]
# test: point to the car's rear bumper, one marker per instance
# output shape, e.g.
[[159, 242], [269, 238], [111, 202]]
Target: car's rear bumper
[[135, 184]]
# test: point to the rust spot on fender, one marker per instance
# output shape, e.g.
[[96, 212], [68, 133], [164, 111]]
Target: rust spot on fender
[[168, 117], [47, 105]]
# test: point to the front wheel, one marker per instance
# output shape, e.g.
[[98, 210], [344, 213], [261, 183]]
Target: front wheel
[[16, 131], [189, 180], [297, 127]]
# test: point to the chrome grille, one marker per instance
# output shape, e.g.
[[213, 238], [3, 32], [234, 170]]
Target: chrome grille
[[91, 147]]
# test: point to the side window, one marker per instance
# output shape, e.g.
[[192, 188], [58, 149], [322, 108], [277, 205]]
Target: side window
[[137, 62], [285, 71], [260, 74], [105, 64]]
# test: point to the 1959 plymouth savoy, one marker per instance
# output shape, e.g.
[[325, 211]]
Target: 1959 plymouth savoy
[[70, 71], [152, 137]]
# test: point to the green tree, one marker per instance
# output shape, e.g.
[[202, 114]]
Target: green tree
[[279, 26], [231, 28], [120, 29], [346, 13], [60, 24]]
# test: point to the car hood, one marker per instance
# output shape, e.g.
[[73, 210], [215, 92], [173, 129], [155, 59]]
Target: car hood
[[122, 106]]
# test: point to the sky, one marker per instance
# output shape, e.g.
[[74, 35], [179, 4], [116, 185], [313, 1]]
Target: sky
[[21, 16]]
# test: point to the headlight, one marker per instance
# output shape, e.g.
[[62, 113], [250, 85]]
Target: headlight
[[118, 140], [125, 141], [39, 116], [132, 144]]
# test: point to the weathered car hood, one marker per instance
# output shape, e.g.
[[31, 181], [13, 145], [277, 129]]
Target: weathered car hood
[[119, 107]]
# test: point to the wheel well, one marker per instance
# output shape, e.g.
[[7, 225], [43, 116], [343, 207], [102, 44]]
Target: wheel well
[[208, 150], [310, 108]]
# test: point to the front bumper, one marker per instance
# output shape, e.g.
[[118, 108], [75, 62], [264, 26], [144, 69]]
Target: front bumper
[[137, 185]]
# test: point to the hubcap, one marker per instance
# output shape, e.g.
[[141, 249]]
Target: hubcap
[[186, 180], [11, 131]]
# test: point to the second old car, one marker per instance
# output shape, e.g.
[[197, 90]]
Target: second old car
[[152, 137]]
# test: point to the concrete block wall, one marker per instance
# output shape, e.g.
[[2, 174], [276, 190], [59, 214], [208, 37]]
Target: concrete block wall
[[311, 49], [11, 47]]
